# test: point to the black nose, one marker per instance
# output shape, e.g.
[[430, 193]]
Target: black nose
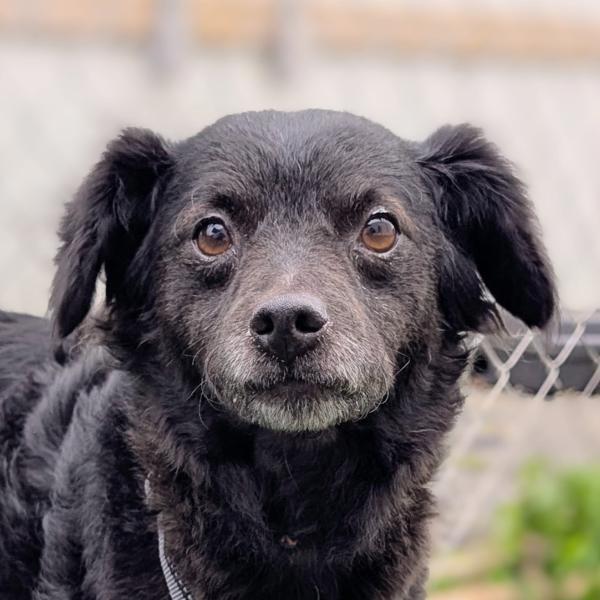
[[290, 325]]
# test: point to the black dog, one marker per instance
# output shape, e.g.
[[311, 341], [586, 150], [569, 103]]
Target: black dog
[[259, 405]]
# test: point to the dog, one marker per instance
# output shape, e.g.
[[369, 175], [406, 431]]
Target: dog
[[256, 405]]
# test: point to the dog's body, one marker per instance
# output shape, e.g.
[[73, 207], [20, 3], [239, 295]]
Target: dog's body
[[269, 386]]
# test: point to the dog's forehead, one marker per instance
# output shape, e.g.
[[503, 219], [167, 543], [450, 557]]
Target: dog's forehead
[[303, 154], [292, 131]]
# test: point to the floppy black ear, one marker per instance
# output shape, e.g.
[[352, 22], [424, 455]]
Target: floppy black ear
[[489, 224], [105, 223]]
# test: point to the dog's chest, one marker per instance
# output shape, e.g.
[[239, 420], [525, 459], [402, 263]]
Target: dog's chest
[[293, 512], [308, 501]]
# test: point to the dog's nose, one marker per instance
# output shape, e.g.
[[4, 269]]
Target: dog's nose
[[290, 325]]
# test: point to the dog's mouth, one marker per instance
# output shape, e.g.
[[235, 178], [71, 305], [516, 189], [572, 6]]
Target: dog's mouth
[[295, 388], [294, 405], [311, 394]]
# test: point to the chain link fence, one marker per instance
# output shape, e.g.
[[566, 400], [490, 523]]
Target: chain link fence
[[528, 393], [524, 370]]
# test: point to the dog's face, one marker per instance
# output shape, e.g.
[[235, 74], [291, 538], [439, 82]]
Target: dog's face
[[293, 262], [293, 269]]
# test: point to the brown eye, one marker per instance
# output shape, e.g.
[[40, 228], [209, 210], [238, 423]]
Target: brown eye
[[212, 238], [379, 234]]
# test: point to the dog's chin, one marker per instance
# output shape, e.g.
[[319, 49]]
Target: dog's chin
[[296, 406]]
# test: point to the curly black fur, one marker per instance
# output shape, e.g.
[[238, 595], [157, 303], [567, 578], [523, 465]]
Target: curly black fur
[[261, 492]]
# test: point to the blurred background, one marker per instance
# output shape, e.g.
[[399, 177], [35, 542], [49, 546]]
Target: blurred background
[[519, 496]]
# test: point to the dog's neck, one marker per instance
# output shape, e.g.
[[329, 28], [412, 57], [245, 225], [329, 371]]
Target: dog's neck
[[287, 506], [289, 501]]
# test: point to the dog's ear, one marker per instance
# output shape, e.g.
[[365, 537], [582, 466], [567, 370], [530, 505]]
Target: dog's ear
[[491, 232], [105, 223]]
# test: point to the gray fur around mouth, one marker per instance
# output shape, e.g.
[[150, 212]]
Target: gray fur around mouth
[[296, 406]]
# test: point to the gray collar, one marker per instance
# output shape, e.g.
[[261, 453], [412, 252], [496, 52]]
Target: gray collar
[[177, 591]]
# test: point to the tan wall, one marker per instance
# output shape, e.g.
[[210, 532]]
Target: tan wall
[[332, 24], [78, 18]]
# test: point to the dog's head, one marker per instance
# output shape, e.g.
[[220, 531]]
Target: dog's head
[[291, 263]]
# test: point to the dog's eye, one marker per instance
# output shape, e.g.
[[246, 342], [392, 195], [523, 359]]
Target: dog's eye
[[212, 237], [379, 234]]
